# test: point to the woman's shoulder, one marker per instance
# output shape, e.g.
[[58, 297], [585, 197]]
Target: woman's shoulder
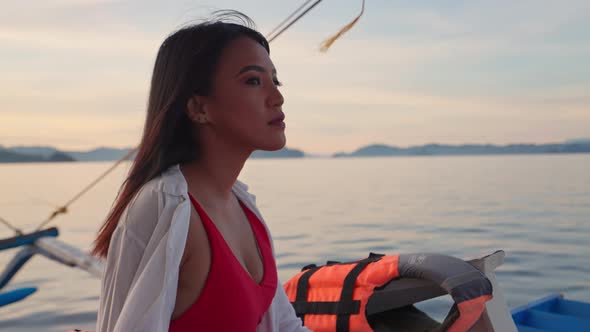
[[156, 199], [170, 182]]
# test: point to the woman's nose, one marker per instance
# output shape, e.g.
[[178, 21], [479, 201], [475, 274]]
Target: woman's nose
[[276, 98]]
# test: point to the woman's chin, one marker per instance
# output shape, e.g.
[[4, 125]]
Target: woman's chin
[[274, 145]]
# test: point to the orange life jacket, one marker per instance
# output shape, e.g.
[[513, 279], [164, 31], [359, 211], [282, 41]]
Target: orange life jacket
[[339, 292], [334, 297]]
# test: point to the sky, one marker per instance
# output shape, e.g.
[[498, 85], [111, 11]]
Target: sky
[[75, 74]]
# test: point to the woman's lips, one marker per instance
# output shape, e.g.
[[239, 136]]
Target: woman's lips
[[278, 121]]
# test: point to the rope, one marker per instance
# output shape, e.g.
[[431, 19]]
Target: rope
[[293, 22], [288, 18], [328, 42], [64, 209], [9, 225]]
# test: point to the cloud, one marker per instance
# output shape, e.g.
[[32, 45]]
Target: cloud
[[407, 73], [70, 129], [89, 42]]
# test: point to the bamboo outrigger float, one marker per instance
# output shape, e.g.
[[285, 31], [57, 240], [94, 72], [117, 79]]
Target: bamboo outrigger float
[[44, 243]]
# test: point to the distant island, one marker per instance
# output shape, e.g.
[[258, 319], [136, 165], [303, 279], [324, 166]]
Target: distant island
[[380, 150], [24, 154], [282, 153], [8, 156]]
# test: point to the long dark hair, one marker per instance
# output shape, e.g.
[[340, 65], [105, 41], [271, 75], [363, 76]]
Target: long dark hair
[[184, 67]]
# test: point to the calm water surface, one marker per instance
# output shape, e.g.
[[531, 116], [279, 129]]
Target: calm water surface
[[536, 208]]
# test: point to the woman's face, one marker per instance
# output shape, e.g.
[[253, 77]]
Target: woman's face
[[244, 108]]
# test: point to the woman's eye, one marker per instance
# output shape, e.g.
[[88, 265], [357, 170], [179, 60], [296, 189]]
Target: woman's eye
[[277, 82], [253, 81]]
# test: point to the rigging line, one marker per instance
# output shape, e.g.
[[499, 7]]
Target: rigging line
[[9, 225], [288, 18], [64, 208], [293, 21]]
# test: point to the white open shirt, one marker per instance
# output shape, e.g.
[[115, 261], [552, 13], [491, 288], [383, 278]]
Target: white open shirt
[[141, 274]]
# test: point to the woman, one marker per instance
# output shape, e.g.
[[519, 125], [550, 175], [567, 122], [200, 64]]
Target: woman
[[186, 248]]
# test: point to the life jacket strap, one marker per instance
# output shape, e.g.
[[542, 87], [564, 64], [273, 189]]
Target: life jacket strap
[[343, 308], [302, 289], [327, 308]]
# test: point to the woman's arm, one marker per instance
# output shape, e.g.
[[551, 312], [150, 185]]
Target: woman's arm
[[141, 275], [125, 253]]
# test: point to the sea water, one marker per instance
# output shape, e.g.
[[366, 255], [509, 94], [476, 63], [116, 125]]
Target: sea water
[[534, 207]]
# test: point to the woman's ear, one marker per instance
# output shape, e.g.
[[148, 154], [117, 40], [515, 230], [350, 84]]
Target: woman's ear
[[195, 110]]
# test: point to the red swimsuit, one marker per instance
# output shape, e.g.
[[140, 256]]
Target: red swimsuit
[[230, 300]]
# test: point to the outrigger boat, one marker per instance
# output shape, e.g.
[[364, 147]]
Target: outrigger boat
[[45, 243], [552, 313]]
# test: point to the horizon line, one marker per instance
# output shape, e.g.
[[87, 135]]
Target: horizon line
[[565, 141]]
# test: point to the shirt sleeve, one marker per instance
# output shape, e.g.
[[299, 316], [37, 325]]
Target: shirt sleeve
[[124, 256], [141, 274], [288, 320]]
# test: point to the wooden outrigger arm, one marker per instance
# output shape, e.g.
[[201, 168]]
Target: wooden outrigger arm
[[44, 242]]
